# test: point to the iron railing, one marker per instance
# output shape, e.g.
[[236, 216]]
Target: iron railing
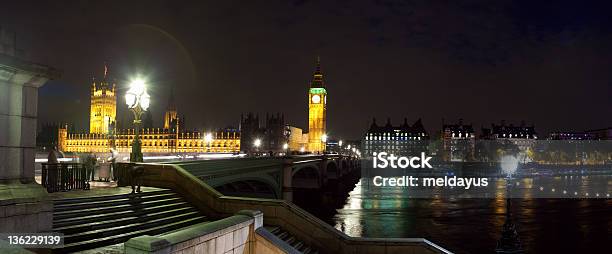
[[64, 176]]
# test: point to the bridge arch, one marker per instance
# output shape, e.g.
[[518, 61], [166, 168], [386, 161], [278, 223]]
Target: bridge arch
[[344, 166], [306, 177], [249, 186], [332, 171]]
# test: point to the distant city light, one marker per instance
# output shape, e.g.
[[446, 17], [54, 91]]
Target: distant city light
[[324, 138], [285, 146], [509, 164], [257, 142], [340, 143], [208, 137], [42, 160]]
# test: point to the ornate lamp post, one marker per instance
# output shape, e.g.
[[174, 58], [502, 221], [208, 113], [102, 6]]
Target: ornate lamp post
[[137, 99], [509, 241]]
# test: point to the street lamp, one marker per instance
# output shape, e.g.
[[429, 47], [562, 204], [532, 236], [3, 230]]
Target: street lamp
[[137, 100], [509, 241], [208, 138], [286, 148], [324, 141], [257, 143]]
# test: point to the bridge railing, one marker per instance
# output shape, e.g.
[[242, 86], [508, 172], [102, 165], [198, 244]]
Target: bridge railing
[[290, 217], [64, 176]]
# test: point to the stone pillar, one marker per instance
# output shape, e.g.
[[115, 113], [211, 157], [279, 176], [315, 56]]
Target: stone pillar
[[339, 169], [323, 171], [287, 186], [24, 205]]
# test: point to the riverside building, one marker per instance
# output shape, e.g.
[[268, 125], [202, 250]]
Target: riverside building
[[399, 140]]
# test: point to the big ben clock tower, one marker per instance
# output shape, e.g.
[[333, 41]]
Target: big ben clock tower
[[317, 107]]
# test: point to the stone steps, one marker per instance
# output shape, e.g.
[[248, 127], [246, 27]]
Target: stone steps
[[109, 197], [291, 240], [85, 204], [99, 221]]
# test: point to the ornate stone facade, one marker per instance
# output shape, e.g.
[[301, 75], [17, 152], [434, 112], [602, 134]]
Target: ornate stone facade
[[103, 137], [153, 141]]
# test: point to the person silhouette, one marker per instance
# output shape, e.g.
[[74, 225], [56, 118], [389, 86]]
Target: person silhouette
[[52, 157], [136, 178]]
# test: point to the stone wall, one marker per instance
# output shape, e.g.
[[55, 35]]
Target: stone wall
[[24, 206], [232, 235]]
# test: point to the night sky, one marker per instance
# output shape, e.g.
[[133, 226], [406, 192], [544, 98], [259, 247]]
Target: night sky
[[548, 62]]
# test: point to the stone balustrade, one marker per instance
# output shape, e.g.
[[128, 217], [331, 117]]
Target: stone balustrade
[[234, 234]]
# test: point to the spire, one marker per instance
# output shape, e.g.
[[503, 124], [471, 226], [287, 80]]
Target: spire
[[103, 83], [317, 80], [171, 104], [388, 122]]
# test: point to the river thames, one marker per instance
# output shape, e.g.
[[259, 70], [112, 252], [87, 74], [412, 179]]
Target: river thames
[[551, 225]]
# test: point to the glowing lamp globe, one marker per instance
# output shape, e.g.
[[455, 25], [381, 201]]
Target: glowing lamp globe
[[137, 95], [130, 99], [145, 101], [137, 86], [509, 164]]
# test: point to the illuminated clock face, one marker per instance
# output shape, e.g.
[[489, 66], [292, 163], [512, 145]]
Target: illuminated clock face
[[316, 98]]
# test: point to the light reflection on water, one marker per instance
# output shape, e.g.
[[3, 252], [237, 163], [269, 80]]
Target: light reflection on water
[[473, 225]]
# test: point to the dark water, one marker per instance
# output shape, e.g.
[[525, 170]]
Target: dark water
[[468, 225]]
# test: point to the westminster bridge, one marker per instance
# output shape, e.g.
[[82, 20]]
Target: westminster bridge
[[270, 177]]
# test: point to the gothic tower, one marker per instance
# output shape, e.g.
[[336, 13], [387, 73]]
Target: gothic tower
[[103, 105], [170, 117], [317, 107]]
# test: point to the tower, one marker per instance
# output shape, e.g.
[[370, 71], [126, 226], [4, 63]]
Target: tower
[[317, 107], [62, 137], [170, 117], [103, 105]]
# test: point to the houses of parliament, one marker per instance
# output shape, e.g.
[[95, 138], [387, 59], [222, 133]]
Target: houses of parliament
[[103, 137], [172, 138]]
